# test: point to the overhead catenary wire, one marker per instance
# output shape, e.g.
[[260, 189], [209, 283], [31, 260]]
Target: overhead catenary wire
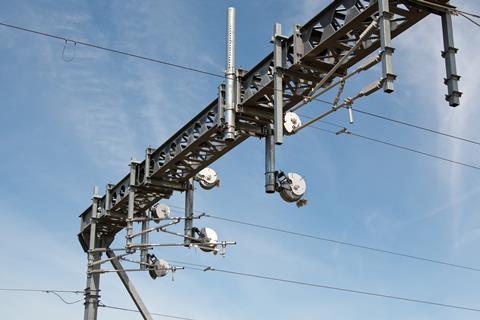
[[57, 293], [222, 76], [102, 305], [382, 117], [344, 243], [336, 241], [188, 68], [394, 145], [99, 47], [206, 268]]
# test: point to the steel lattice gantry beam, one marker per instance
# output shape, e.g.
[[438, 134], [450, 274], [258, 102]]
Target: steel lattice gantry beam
[[309, 54]]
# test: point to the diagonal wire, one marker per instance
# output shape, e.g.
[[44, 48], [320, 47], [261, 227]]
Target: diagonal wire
[[468, 13], [468, 18]]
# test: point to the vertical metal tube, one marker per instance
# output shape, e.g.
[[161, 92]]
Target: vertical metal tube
[[145, 240], [131, 204], [108, 198], [189, 211], [230, 96], [386, 44], [278, 84], [453, 96], [93, 279], [269, 161]]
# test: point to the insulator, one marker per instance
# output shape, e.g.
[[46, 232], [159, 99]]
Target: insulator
[[159, 269], [291, 122], [292, 187], [160, 211], [208, 239], [207, 178]]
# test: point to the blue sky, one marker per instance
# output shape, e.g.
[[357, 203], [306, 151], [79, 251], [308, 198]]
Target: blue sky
[[67, 126]]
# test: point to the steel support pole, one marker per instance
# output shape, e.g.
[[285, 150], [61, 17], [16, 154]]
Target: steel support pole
[[230, 75], [131, 204], [386, 45], [269, 161], [122, 274], [453, 96], [188, 232], [278, 62], [92, 291]]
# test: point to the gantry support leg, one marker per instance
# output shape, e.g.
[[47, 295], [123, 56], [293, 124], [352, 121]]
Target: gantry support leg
[[92, 291], [129, 285]]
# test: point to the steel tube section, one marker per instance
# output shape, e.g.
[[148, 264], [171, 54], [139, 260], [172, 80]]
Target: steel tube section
[[188, 232], [132, 270], [129, 286], [92, 295], [131, 203], [278, 58], [169, 219], [386, 45], [323, 115], [269, 161], [147, 231], [453, 96], [145, 239], [108, 259], [230, 94]]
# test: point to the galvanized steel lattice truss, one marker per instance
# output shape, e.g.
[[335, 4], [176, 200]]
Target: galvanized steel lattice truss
[[309, 54]]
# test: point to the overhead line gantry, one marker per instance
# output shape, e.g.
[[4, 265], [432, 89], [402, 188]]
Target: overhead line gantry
[[254, 103]]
